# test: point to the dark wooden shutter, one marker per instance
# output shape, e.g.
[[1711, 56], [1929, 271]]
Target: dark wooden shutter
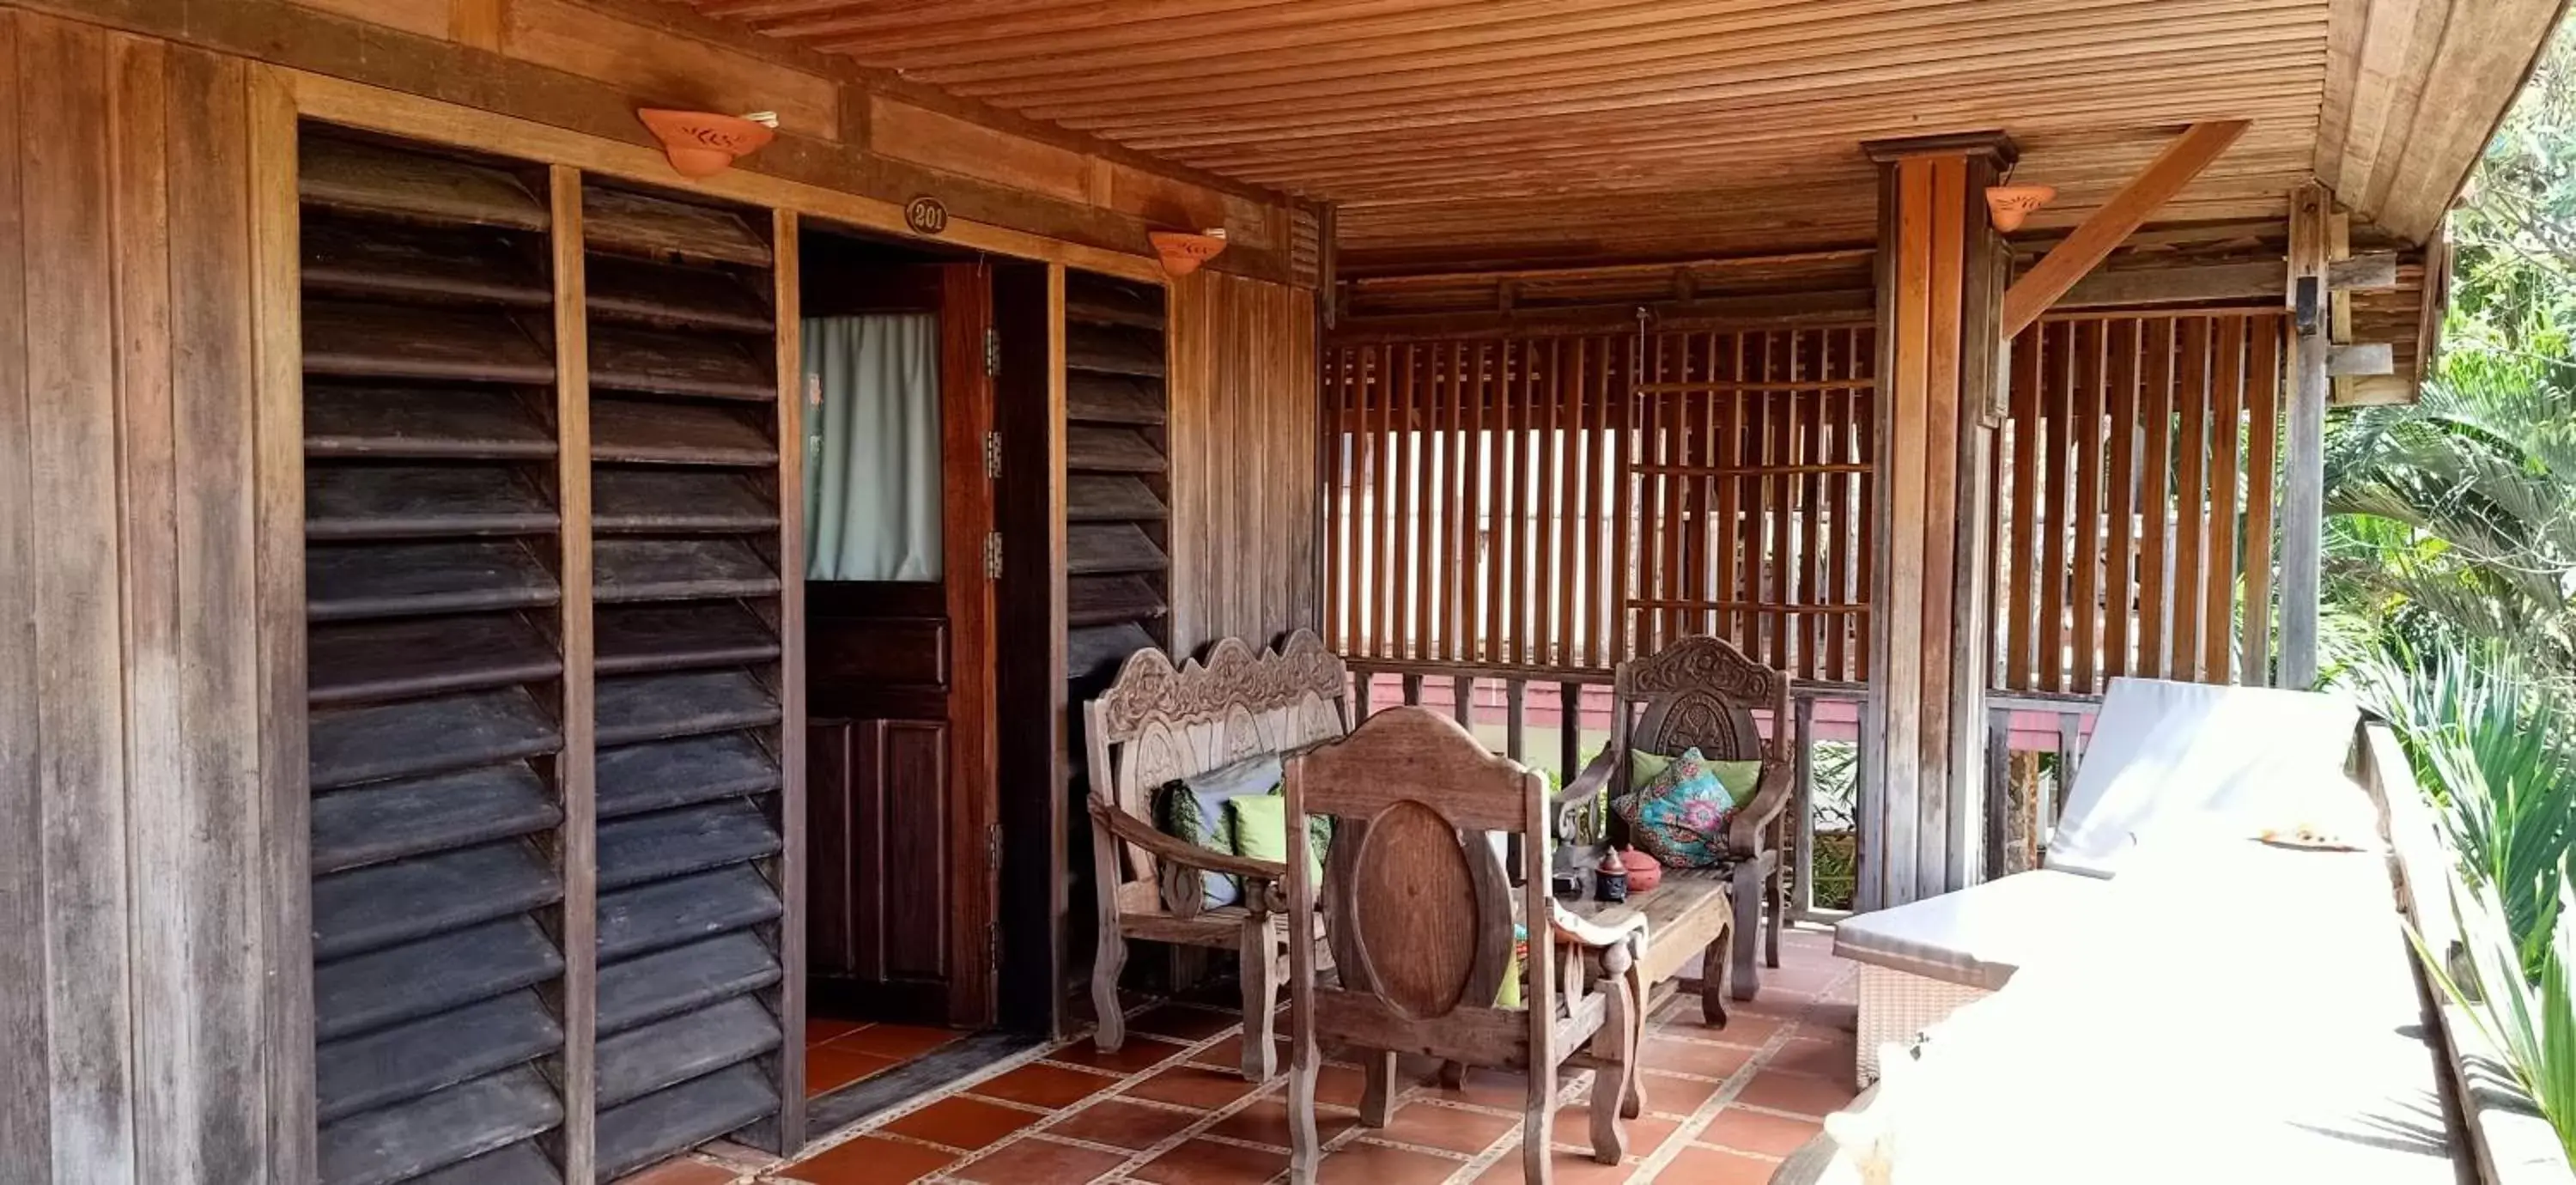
[[685, 514], [1118, 489], [435, 666]]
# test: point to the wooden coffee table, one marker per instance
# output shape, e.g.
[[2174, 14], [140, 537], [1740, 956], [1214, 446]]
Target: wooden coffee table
[[1689, 918]]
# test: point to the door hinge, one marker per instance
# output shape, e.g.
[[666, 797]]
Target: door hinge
[[992, 555], [993, 456], [992, 353]]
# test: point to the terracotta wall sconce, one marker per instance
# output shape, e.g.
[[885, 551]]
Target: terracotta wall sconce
[[2012, 204], [1183, 251], [703, 143]]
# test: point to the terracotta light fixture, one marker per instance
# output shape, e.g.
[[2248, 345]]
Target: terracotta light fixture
[[2013, 203], [1183, 251], [703, 143]]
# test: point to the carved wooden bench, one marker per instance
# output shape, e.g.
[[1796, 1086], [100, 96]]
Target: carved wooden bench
[[1159, 722]]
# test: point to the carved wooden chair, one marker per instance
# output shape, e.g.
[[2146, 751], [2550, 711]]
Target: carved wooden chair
[[1700, 693], [1159, 722], [1420, 913]]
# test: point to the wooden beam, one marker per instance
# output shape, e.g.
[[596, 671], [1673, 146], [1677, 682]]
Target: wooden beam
[[2303, 478], [2363, 272], [2354, 359], [2258, 280], [2100, 233]]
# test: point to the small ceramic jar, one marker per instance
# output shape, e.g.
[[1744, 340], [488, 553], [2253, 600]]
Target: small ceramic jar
[[1610, 880], [1644, 871]]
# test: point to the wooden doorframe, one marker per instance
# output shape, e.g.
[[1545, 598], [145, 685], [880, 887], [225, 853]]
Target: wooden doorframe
[[967, 483]]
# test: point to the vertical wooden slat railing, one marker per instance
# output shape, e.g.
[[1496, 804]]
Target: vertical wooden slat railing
[[1487, 696]]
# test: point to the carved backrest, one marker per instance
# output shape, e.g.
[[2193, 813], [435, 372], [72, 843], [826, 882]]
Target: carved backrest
[[1415, 896], [1158, 721], [1700, 693]]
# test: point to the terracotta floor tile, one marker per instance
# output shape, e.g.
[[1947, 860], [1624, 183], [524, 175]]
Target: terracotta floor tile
[[1040, 1085], [1341, 1086], [869, 1160], [1674, 1096], [682, 1172], [1122, 1125], [1206, 1162], [1821, 1057], [1503, 1089], [1742, 1028], [1360, 1163], [1646, 1133], [819, 1029], [1568, 1168], [1840, 1016], [1432, 1126], [1229, 1053], [1798, 1094], [1265, 1121], [1183, 1022], [1138, 1053], [963, 1122], [901, 1042], [829, 1068], [1195, 1086], [1036, 1161], [1753, 1131], [1684, 1057], [1708, 1166]]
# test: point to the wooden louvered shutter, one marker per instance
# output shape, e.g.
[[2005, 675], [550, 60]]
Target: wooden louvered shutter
[[685, 496], [1118, 486], [435, 666]]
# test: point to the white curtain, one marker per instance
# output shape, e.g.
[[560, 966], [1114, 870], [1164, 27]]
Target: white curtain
[[872, 447]]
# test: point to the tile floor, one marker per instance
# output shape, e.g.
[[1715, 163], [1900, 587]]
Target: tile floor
[[840, 1052], [1722, 1107]]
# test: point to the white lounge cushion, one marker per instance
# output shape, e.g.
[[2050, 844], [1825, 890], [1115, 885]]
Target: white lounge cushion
[[2195, 756], [1979, 936]]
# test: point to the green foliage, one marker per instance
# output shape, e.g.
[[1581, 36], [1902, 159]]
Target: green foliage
[[2530, 1019], [2494, 750]]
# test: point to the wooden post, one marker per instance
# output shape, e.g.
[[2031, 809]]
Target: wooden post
[[2303, 484], [1940, 331]]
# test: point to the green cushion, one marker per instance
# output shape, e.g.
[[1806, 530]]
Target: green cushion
[[1257, 828], [1739, 778], [1645, 767]]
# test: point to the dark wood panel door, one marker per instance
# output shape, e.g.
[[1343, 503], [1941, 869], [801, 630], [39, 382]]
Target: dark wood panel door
[[902, 849]]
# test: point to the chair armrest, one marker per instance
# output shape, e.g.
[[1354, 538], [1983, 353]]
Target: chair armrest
[[1133, 830], [1583, 931], [1753, 820], [1578, 796]]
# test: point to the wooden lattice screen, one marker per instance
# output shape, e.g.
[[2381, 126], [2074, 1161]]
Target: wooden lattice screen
[[1529, 502], [2135, 502]]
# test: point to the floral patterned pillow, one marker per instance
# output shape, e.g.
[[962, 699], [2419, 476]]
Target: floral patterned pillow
[[1680, 817]]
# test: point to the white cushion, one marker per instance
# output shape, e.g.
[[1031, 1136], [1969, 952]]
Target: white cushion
[[1979, 936], [2194, 756]]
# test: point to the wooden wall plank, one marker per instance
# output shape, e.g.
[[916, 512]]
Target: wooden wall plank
[[2121, 470], [1243, 389], [212, 836], [577, 851], [2218, 580], [277, 474], [2056, 493], [26, 1108], [2021, 656], [2191, 489], [787, 294], [2262, 461], [2084, 472], [81, 769], [2155, 465]]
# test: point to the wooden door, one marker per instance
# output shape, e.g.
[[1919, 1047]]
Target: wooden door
[[900, 690]]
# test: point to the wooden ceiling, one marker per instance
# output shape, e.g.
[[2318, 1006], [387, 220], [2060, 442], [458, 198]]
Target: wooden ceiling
[[1466, 132]]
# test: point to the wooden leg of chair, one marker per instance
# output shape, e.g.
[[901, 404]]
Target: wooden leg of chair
[[1616, 1075], [1261, 984], [1538, 1127], [1747, 891], [1377, 1092], [1622, 1031], [1453, 1075], [1714, 968], [1305, 1146], [1779, 917], [1106, 963]]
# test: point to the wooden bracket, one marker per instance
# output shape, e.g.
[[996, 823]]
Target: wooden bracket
[[2080, 252]]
